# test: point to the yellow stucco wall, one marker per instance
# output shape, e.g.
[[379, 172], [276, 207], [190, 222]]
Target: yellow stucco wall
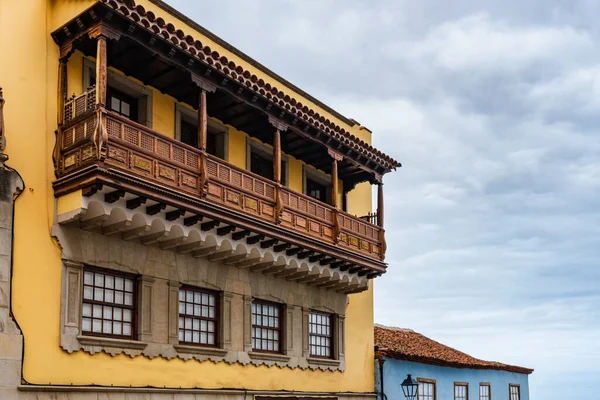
[[29, 79]]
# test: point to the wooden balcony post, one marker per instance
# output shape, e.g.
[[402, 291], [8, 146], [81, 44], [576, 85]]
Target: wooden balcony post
[[101, 71], [380, 204], [62, 90], [334, 177], [380, 217], [334, 183], [202, 121], [279, 127], [277, 156], [205, 86]]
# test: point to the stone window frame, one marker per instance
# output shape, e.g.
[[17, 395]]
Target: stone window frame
[[282, 329], [93, 302], [72, 336], [331, 336], [120, 82], [337, 359], [223, 131], [235, 314]]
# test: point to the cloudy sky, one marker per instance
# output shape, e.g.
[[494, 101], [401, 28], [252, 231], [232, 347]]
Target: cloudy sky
[[493, 107]]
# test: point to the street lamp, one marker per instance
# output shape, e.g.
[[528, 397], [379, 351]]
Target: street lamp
[[409, 388]]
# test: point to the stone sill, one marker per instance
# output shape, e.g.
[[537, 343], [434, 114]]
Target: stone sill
[[110, 342], [209, 351], [256, 355], [323, 361]]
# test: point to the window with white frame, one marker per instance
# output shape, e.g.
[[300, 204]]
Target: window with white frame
[[320, 334], [461, 391], [267, 326], [485, 391], [426, 389], [198, 316], [515, 392], [108, 307]]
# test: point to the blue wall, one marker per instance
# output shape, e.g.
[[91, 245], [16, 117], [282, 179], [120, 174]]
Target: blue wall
[[395, 372]]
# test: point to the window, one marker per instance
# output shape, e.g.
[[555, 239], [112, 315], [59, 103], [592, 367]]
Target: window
[[108, 304], [484, 391], [198, 316], [186, 130], [461, 391], [426, 389], [320, 333], [260, 161], [316, 184], [122, 104], [123, 96], [266, 326], [515, 392], [316, 190]]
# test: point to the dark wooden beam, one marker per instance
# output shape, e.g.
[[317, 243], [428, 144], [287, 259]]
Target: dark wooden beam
[[281, 247], [294, 251], [193, 220], [240, 235], [337, 264], [91, 190], [132, 204], [207, 226], [173, 215], [316, 257], [149, 80], [305, 254], [345, 267], [327, 261], [268, 243], [255, 239], [226, 230], [155, 209], [355, 269], [114, 196]]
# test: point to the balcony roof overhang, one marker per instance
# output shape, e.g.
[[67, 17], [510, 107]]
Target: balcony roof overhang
[[156, 53]]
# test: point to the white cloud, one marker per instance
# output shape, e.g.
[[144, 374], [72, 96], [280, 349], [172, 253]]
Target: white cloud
[[478, 42]]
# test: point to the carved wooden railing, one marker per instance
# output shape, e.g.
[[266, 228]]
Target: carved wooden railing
[[79, 105], [141, 152]]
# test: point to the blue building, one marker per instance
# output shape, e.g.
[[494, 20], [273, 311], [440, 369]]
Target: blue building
[[442, 372]]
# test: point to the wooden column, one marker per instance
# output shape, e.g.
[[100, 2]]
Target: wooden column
[[101, 71], [334, 183], [279, 127], [380, 217], [277, 156], [380, 204], [202, 121], [334, 177], [202, 132], [62, 90]]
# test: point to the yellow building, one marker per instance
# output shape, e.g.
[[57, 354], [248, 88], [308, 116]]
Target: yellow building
[[191, 223]]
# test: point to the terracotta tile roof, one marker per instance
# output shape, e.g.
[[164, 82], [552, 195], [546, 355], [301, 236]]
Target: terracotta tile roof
[[405, 344], [187, 43]]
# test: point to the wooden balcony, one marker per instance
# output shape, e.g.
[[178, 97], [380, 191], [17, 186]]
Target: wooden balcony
[[97, 147]]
